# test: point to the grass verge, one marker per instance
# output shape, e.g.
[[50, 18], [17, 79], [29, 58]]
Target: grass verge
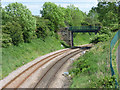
[[92, 70], [82, 38], [16, 56]]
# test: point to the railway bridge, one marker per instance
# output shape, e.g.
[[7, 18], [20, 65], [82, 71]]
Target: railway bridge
[[67, 34]]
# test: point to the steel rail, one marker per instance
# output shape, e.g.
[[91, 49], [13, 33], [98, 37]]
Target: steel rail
[[15, 78], [47, 82]]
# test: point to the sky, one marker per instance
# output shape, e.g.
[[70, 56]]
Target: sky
[[36, 5]]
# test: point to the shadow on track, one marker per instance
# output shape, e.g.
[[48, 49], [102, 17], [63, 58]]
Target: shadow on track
[[81, 47]]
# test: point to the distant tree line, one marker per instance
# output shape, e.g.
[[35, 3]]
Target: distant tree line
[[20, 26], [108, 14]]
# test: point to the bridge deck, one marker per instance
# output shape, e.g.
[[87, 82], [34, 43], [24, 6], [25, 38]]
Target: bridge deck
[[84, 28]]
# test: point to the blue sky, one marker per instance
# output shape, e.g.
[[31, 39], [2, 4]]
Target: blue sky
[[36, 5]]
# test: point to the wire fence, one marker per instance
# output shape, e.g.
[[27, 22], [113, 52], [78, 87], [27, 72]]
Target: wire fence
[[113, 43]]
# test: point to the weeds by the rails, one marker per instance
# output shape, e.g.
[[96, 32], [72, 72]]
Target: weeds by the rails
[[92, 70], [16, 56]]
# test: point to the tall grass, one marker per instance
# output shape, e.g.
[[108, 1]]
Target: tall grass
[[16, 56], [82, 38], [92, 70]]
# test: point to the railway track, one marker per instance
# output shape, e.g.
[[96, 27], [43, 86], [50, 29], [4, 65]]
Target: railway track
[[47, 68], [45, 81]]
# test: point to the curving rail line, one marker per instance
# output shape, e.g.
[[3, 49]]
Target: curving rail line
[[60, 58], [45, 81], [19, 79]]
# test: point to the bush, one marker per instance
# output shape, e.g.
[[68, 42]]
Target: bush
[[100, 38], [105, 30], [15, 31], [6, 40], [23, 23], [42, 29], [103, 35], [92, 69], [107, 82], [115, 27]]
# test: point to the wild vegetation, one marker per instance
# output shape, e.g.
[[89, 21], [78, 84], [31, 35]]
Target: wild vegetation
[[92, 70], [16, 56], [25, 37]]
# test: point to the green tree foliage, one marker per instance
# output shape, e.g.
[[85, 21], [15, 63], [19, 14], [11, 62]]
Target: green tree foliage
[[74, 16], [108, 13], [6, 40], [19, 13], [54, 13], [14, 29], [92, 18], [67, 16], [42, 29]]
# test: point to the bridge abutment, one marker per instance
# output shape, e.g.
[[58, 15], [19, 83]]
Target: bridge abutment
[[66, 36]]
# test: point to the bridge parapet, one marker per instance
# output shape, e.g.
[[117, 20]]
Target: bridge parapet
[[84, 28]]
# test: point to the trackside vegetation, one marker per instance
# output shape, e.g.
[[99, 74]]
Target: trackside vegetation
[[16, 56], [26, 37], [92, 70]]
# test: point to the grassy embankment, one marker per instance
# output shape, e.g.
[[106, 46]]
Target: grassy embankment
[[16, 56], [92, 69], [82, 38]]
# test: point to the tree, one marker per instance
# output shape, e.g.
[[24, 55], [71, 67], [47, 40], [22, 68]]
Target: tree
[[17, 12], [42, 29], [15, 31], [74, 16], [54, 13], [107, 13], [93, 15]]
